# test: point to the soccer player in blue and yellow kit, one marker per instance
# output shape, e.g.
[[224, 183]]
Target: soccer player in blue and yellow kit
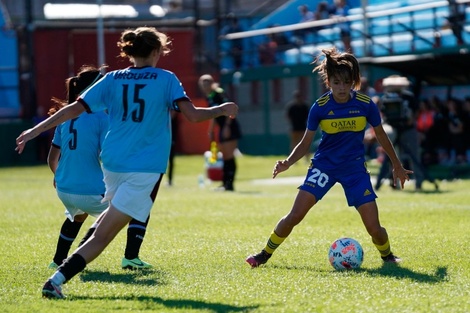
[[135, 152], [342, 114]]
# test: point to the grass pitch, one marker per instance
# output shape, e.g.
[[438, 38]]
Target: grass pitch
[[197, 240]]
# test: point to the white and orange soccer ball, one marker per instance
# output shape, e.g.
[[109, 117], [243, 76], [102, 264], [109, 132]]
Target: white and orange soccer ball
[[346, 253]]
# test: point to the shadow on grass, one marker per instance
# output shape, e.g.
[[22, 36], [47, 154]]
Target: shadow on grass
[[387, 269], [425, 192], [396, 271], [147, 277], [183, 304]]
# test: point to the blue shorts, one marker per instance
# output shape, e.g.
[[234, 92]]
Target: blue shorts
[[355, 180]]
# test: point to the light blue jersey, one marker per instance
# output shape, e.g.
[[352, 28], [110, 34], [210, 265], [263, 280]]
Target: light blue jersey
[[138, 101], [79, 169]]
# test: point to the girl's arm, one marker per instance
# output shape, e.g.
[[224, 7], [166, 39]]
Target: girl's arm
[[297, 153], [71, 111]]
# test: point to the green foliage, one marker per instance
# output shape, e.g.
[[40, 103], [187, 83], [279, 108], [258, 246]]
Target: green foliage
[[198, 239]]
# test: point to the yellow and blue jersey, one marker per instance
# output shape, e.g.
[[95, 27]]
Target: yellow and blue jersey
[[342, 126]]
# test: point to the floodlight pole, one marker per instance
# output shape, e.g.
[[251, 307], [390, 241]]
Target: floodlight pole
[[100, 34]]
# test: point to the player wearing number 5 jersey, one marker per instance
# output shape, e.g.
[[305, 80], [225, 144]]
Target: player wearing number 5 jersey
[[135, 151], [342, 114], [78, 177]]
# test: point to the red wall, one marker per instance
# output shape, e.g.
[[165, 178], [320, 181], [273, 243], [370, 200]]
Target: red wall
[[59, 53]]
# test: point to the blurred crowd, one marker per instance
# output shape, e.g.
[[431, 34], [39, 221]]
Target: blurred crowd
[[443, 128]]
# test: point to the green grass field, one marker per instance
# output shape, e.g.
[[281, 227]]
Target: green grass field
[[198, 239]]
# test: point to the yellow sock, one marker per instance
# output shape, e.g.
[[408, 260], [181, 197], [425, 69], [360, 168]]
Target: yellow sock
[[273, 242], [384, 249]]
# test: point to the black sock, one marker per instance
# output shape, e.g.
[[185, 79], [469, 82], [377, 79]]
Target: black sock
[[230, 168], [72, 266], [135, 236], [87, 235], [68, 233]]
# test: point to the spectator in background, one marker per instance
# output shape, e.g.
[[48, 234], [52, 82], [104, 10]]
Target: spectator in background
[[267, 51], [341, 10], [456, 20], [280, 39], [236, 45], [366, 88], [306, 15], [439, 132], [424, 122], [229, 131], [297, 113], [466, 125], [322, 12], [400, 107], [456, 129]]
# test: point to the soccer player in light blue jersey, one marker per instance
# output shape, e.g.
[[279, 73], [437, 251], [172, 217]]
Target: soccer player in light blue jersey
[[136, 148], [78, 178], [342, 114]]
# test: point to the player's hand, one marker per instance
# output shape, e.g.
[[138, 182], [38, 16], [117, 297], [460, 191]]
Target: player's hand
[[402, 174], [22, 139], [280, 167]]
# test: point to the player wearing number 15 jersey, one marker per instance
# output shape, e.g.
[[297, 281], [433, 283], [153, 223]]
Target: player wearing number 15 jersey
[[342, 114], [136, 148]]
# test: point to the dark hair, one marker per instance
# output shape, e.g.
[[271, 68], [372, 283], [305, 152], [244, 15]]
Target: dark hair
[[141, 41], [76, 85], [343, 65]]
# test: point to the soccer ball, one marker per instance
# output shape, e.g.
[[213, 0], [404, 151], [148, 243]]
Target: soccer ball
[[346, 253]]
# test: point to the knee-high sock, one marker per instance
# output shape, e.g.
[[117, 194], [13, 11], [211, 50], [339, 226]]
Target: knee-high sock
[[68, 233], [71, 267], [273, 242], [135, 236], [229, 170], [384, 249]]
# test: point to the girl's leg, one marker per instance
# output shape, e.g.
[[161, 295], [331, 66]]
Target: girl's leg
[[302, 204], [68, 233], [109, 226], [370, 217], [230, 166]]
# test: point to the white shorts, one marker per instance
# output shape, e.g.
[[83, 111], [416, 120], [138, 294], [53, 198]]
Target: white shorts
[[130, 193], [80, 204]]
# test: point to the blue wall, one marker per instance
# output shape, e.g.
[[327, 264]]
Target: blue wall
[[9, 77]]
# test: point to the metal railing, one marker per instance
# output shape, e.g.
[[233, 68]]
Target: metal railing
[[395, 31]]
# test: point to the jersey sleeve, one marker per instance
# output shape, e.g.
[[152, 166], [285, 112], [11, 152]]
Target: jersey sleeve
[[373, 116], [176, 92], [313, 121], [94, 97]]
